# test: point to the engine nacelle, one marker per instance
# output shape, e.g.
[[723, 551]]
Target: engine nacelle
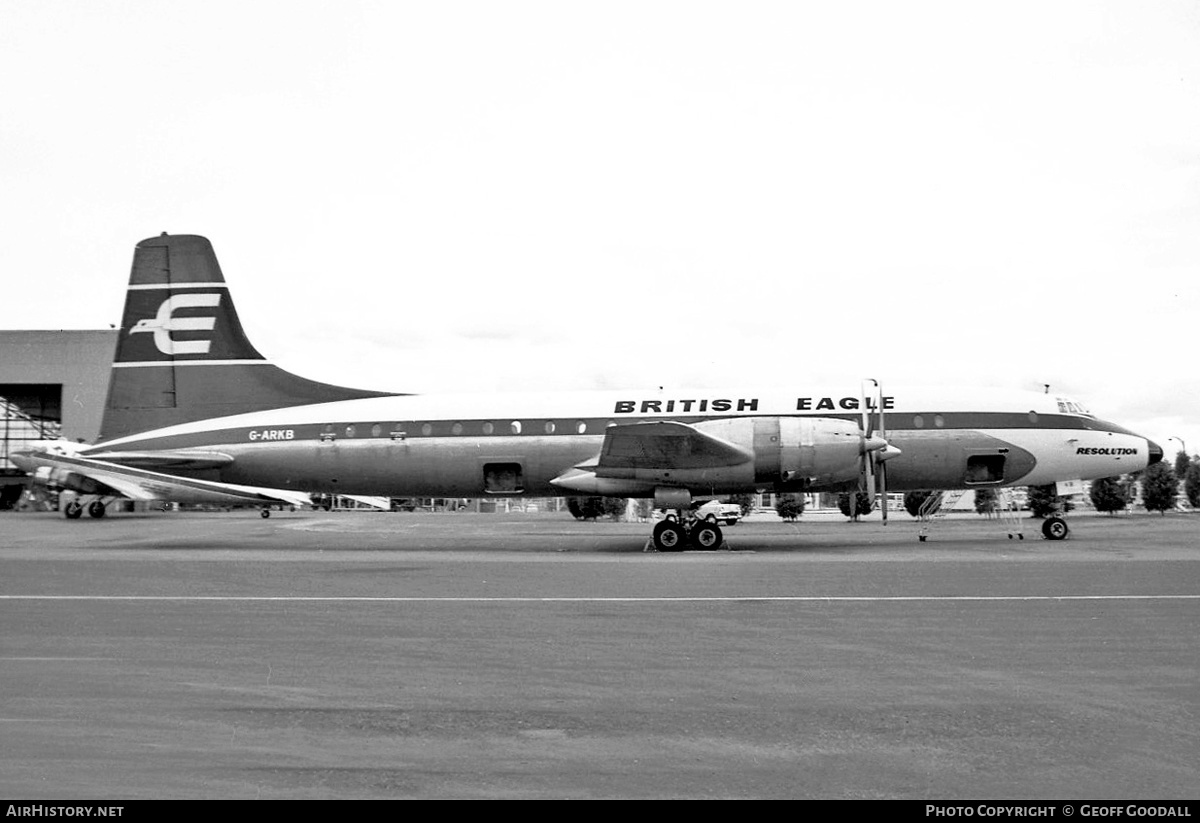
[[672, 498], [818, 451]]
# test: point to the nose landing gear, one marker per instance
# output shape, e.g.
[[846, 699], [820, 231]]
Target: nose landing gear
[[1055, 528]]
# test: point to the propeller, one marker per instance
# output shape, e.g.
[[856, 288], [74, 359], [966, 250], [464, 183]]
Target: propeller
[[876, 449]]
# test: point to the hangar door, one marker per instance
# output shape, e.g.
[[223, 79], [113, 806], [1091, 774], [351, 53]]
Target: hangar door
[[28, 412]]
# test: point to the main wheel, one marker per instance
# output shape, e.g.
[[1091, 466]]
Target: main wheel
[[669, 537], [706, 536], [96, 509], [1055, 528], [266, 513], [73, 510]]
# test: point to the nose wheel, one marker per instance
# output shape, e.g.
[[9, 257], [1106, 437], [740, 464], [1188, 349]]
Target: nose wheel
[[1055, 528]]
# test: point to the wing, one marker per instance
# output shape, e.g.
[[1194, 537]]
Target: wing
[[144, 484], [636, 458], [663, 445]]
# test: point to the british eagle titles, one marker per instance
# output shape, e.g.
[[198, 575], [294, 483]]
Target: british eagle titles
[[743, 404]]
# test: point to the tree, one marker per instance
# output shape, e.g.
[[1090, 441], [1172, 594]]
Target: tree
[[614, 507], [1159, 488], [1182, 461], [789, 506], [864, 503], [913, 501], [1191, 483], [585, 508], [1044, 501], [1110, 495], [986, 501]]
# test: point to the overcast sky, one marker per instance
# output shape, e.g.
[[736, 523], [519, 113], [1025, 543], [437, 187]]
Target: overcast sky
[[439, 196]]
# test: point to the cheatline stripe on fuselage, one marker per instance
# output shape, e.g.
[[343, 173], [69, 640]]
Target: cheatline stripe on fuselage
[[189, 285], [567, 427], [749, 598], [141, 364]]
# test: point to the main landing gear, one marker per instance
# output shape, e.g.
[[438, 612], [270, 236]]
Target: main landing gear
[[675, 534], [74, 509]]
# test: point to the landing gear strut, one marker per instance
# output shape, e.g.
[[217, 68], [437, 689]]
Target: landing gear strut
[[675, 535]]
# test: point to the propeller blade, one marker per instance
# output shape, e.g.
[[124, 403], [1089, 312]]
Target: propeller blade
[[865, 408], [868, 473], [883, 488]]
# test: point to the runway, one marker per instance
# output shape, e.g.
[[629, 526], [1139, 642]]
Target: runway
[[354, 655]]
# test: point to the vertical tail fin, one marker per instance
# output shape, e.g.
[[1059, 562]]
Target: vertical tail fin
[[182, 354]]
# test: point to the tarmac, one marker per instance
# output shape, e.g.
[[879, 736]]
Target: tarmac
[[176, 655]]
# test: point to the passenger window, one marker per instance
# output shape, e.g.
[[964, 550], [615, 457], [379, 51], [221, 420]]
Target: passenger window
[[457, 428], [516, 427], [488, 428], [427, 429], [549, 427]]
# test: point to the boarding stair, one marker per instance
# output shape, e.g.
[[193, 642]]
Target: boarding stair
[[935, 508], [1010, 514], [939, 504]]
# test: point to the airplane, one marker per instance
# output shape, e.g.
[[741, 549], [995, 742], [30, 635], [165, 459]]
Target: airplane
[[196, 413]]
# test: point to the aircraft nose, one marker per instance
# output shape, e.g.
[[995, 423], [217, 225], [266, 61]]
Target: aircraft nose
[[1155, 450], [23, 461]]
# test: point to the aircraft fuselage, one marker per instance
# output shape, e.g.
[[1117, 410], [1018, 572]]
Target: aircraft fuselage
[[475, 445]]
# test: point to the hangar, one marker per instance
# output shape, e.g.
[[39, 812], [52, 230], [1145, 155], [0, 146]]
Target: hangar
[[52, 384]]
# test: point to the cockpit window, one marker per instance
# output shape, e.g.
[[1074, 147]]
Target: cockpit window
[[1067, 406]]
